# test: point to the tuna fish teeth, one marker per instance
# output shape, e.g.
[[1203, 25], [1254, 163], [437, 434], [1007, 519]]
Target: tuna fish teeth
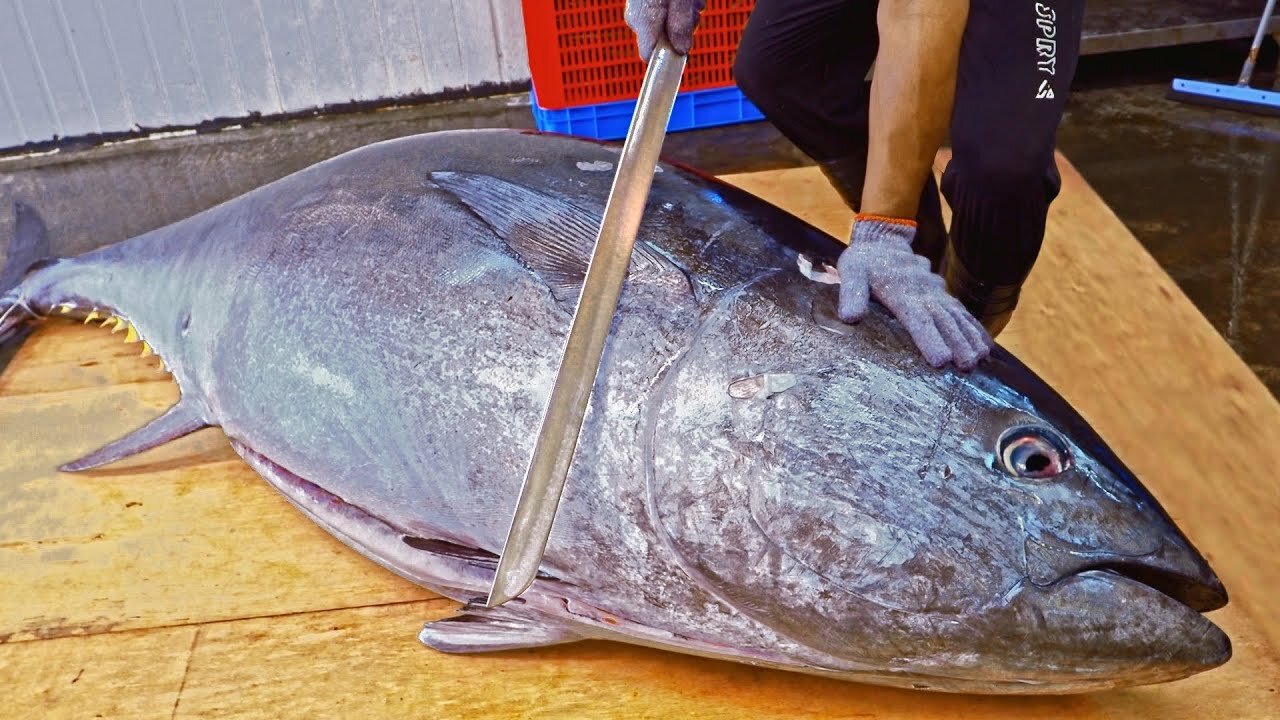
[[120, 324], [66, 307], [109, 321], [93, 315], [146, 349], [131, 334]]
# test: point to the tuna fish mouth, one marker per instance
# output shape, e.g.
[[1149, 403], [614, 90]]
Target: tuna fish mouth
[[1173, 569], [1199, 594]]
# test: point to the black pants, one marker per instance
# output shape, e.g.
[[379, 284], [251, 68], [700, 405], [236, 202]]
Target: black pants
[[804, 63]]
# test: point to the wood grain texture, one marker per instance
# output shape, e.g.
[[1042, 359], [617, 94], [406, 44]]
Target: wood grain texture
[[65, 357], [183, 534], [116, 675], [365, 663], [178, 584]]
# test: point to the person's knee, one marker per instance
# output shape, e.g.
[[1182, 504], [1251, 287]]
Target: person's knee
[[748, 75], [1006, 170], [760, 80], [1000, 201]]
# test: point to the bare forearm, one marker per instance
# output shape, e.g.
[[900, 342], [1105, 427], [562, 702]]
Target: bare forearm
[[911, 98]]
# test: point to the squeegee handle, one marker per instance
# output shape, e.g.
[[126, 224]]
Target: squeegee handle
[[1246, 73]]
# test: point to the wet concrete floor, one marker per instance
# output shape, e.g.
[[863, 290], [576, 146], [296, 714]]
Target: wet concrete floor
[[1199, 187]]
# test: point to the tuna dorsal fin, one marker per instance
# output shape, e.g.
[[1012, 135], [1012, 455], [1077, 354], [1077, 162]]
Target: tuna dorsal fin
[[179, 420], [491, 630], [553, 237]]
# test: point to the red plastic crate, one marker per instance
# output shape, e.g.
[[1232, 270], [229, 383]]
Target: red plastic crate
[[581, 52]]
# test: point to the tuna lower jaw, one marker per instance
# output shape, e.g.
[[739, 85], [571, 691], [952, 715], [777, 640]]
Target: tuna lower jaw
[[1113, 628], [1093, 630]]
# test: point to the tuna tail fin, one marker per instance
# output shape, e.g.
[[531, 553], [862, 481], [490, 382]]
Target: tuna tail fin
[[28, 246], [180, 420]]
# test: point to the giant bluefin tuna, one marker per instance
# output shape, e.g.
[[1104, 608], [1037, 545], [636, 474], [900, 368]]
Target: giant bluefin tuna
[[757, 481]]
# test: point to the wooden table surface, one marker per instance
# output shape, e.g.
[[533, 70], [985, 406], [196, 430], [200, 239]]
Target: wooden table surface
[[178, 584]]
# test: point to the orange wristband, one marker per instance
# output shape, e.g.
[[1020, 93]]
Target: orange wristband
[[885, 219]]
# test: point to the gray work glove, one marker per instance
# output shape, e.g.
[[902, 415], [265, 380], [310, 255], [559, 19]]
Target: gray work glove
[[879, 262], [651, 19]]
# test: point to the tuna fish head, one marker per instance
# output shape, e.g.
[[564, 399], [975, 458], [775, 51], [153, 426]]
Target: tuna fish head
[[961, 531]]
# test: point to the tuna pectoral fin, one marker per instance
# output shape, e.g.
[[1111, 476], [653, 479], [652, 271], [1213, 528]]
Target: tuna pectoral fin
[[491, 630], [179, 420], [553, 237]]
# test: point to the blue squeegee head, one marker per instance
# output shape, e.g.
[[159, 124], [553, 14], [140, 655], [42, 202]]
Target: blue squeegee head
[[1235, 97]]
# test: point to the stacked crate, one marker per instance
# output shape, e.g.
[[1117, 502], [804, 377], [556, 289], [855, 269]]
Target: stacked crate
[[587, 71]]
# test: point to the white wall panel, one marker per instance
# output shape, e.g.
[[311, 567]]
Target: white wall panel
[[78, 67]]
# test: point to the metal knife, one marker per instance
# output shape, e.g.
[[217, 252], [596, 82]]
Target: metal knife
[[562, 422]]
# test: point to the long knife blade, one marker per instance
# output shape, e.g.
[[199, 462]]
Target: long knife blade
[[562, 422]]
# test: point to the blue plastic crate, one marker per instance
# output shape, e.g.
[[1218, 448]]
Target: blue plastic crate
[[609, 121]]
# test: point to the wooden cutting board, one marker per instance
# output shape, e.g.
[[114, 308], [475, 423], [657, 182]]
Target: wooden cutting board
[[177, 584]]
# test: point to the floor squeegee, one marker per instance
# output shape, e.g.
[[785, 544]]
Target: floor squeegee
[[1240, 96]]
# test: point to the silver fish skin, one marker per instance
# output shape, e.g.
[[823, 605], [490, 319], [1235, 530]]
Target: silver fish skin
[[755, 481]]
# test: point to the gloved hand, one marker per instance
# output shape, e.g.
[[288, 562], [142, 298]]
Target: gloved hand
[[879, 262], [651, 19]]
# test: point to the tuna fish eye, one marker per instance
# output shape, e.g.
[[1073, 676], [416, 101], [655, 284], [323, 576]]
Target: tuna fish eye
[[1033, 452]]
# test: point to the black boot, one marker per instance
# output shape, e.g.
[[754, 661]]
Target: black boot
[[992, 305], [846, 174], [931, 232]]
